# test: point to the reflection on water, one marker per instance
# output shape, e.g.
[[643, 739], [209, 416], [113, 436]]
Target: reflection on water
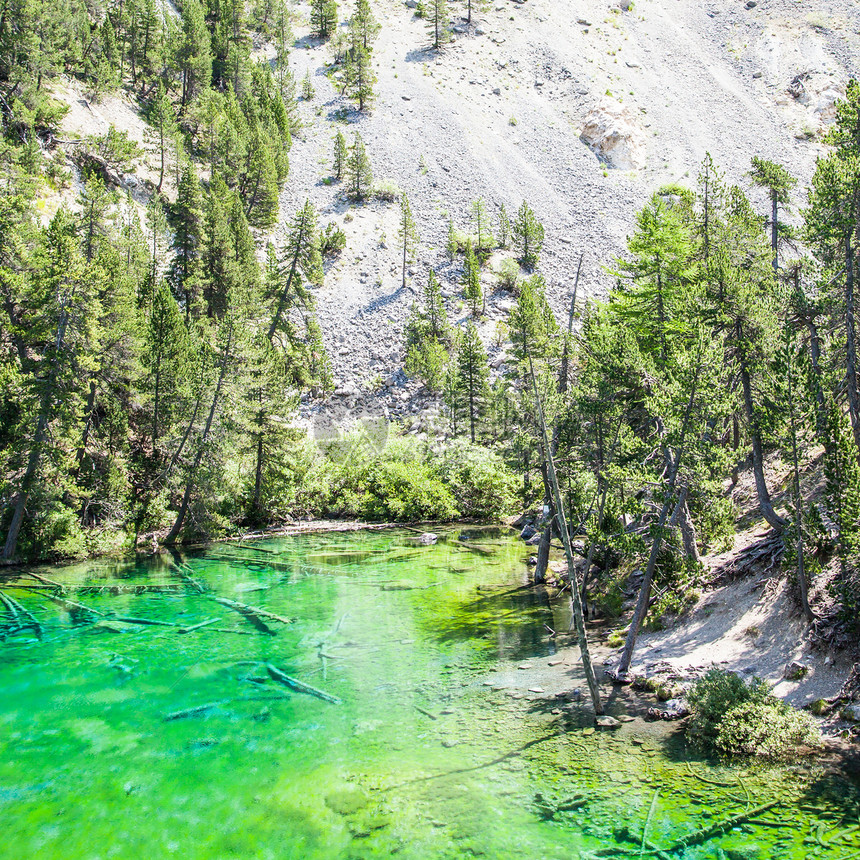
[[123, 739]]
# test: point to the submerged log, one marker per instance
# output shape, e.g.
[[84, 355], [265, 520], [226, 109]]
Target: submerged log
[[254, 614], [185, 713], [72, 605], [299, 686], [720, 827], [146, 621], [198, 626], [23, 616], [188, 578]]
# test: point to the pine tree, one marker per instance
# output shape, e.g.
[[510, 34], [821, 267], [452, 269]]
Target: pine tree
[[439, 22], [503, 227], [194, 55], [365, 26], [359, 77], [358, 170], [473, 375], [300, 258], [340, 157], [308, 91], [778, 182], [185, 272], [407, 233], [472, 290], [434, 309], [162, 121], [527, 232], [484, 240], [452, 245], [323, 17]]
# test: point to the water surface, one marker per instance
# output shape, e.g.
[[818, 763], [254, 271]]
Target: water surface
[[423, 757]]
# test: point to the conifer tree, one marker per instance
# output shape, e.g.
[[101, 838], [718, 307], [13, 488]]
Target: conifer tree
[[308, 91], [434, 308], [358, 170], [341, 154], [452, 246], [484, 240], [364, 25], [359, 77], [778, 182], [300, 259], [185, 272], [407, 233], [162, 121], [194, 55], [439, 22], [473, 375], [323, 17], [503, 226], [527, 232], [472, 290]]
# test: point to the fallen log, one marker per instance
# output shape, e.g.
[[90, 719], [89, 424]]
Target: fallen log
[[18, 611], [44, 580], [198, 626], [254, 614], [146, 621], [195, 711], [188, 578], [720, 827], [300, 687], [72, 605]]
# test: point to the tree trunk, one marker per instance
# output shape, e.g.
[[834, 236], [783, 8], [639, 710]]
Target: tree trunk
[[851, 336], [576, 602], [774, 231], [657, 542], [765, 504], [565, 355], [192, 474], [543, 547], [258, 475], [682, 520]]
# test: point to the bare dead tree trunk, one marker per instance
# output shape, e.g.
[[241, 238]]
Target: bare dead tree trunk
[[657, 541], [576, 601]]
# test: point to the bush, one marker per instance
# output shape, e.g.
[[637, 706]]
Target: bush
[[771, 729], [714, 695], [509, 273], [406, 492], [741, 719], [481, 483], [387, 191], [332, 240]]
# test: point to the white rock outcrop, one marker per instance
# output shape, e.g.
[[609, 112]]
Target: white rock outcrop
[[614, 135]]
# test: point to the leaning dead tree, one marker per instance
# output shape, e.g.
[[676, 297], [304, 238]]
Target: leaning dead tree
[[575, 594]]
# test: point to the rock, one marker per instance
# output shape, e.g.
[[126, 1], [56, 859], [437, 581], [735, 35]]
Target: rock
[[626, 718], [851, 712], [411, 4], [588, 731], [757, 74], [427, 538], [479, 31], [532, 561], [347, 801], [497, 91], [528, 531], [795, 670], [613, 134], [534, 540], [536, 690], [539, 83], [607, 722], [458, 28], [625, 5]]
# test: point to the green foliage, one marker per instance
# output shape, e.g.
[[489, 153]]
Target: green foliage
[[508, 274], [332, 240], [472, 290], [359, 173], [339, 159], [527, 233], [323, 18], [714, 695], [308, 91], [769, 728], [482, 485]]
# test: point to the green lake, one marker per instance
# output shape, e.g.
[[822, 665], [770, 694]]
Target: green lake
[[425, 755]]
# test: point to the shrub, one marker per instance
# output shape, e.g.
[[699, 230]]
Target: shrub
[[741, 719], [509, 273], [481, 483], [406, 491], [770, 728], [714, 695], [387, 191], [332, 240]]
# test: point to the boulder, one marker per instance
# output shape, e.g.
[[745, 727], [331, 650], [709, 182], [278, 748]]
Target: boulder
[[795, 670], [427, 538], [528, 531], [607, 722], [613, 134], [851, 712]]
